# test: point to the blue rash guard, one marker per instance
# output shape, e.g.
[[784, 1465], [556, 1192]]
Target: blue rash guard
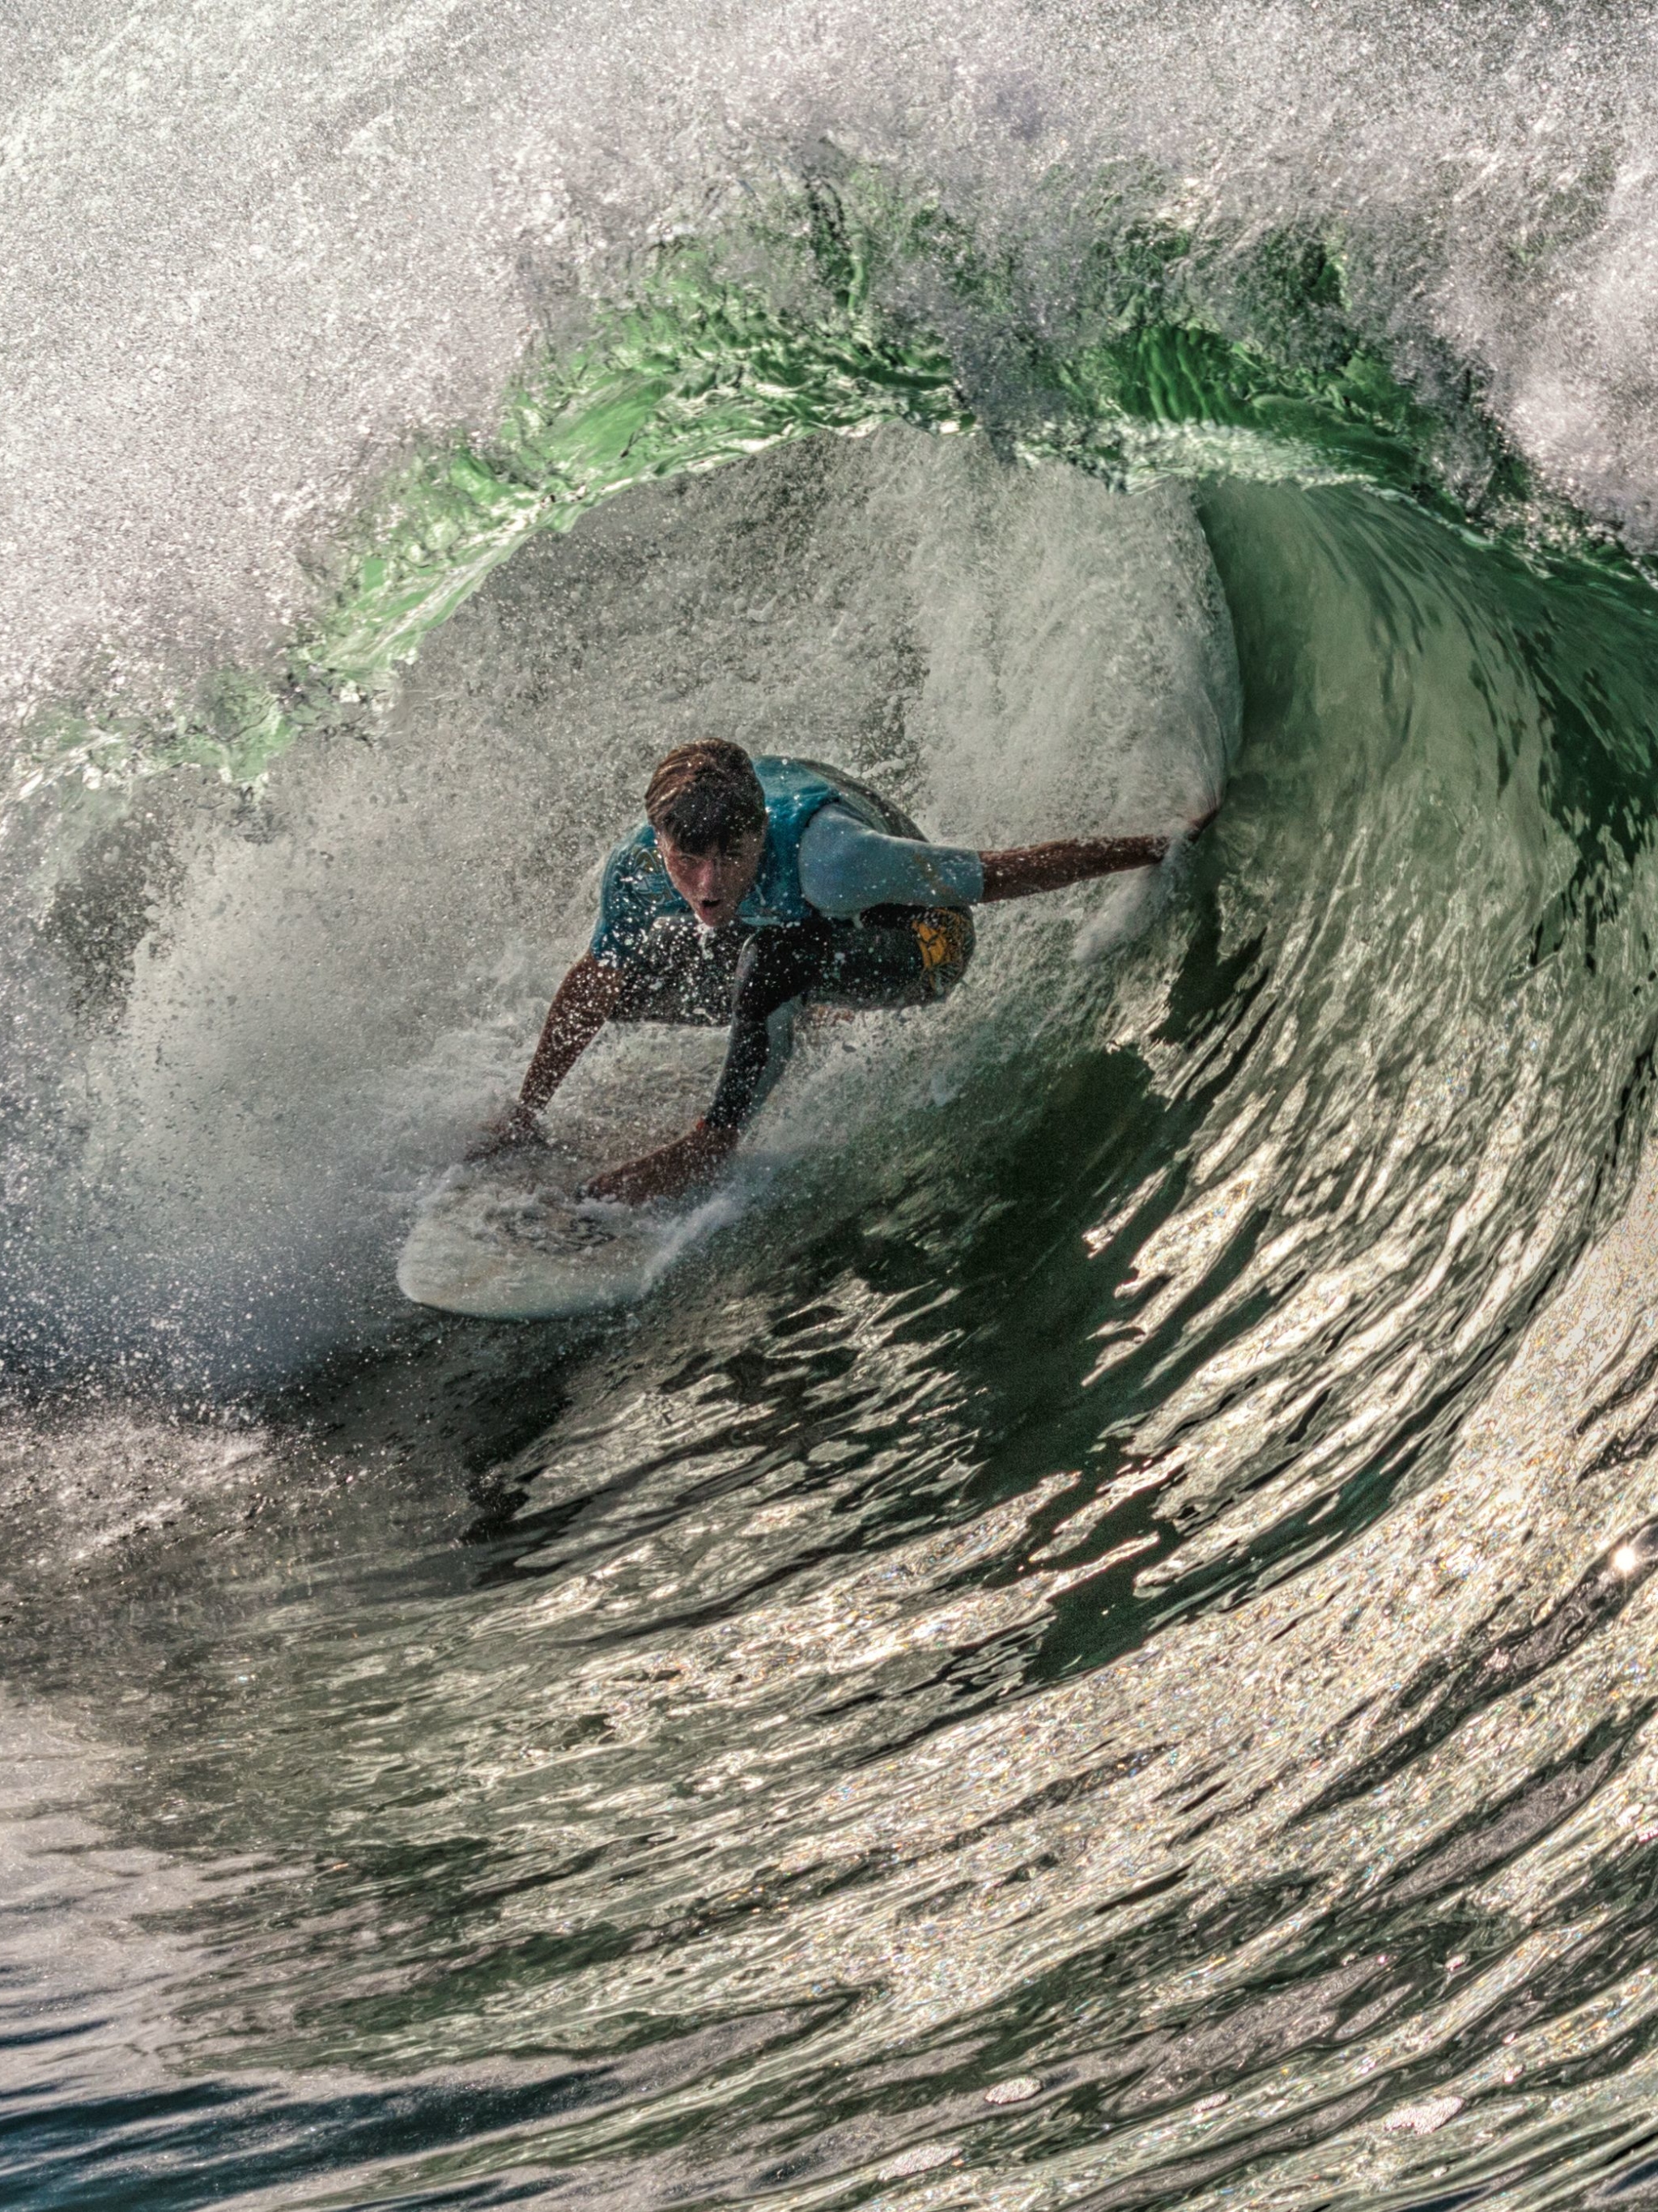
[[832, 849], [846, 867], [850, 906]]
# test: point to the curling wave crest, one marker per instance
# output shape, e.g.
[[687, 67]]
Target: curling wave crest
[[1090, 1646]]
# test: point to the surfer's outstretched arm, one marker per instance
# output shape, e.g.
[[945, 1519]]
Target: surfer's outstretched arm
[[581, 1005], [1024, 869]]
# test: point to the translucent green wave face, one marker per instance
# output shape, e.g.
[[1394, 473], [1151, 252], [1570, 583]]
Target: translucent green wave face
[[1176, 359]]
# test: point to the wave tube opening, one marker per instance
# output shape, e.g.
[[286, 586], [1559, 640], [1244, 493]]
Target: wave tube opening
[[1089, 1645]]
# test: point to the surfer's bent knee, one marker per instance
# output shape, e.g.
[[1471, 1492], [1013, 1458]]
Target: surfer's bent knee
[[897, 956]]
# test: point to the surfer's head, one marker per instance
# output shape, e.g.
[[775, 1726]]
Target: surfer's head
[[707, 810]]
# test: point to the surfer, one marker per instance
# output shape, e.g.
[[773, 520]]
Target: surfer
[[753, 889]]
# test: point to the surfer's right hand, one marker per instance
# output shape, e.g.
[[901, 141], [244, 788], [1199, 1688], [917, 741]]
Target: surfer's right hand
[[506, 1133]]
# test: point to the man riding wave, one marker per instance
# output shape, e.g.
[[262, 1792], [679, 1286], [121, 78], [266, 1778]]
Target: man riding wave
[[753, 889]]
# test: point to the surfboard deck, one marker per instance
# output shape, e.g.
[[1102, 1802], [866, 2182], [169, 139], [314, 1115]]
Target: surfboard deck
[[506, 1239]]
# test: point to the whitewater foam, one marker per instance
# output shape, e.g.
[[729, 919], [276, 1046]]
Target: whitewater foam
[[339, 987], [250, 259]]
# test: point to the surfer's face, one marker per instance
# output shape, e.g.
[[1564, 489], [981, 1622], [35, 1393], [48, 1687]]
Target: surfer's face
[[713, 884]]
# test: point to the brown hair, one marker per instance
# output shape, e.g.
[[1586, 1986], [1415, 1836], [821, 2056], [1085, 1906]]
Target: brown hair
[[706, 797]]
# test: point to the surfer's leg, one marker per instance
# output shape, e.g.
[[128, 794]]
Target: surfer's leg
[[897, 956], [778, 967], [890, 956], [681, 974]]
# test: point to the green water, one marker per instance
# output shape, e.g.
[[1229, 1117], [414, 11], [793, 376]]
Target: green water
[[1152, 378], [1088, 1649]]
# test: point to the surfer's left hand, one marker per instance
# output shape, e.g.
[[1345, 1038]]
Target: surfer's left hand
[[695, 1157], [1200, 823]]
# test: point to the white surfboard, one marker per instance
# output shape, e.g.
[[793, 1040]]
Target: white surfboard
[[507, 1238]]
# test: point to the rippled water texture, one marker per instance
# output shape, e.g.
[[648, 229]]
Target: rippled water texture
[[1088, 1643]]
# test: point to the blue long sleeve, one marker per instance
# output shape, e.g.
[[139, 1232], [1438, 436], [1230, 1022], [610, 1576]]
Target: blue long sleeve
[[846, 866]]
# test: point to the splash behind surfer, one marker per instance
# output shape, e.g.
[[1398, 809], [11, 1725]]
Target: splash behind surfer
[[754, 888]]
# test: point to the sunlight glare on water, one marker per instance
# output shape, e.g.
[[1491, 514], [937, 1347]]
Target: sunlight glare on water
[[1086, 1641]]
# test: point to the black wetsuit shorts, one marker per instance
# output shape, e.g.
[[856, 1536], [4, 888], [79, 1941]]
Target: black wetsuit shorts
[[888, 956]]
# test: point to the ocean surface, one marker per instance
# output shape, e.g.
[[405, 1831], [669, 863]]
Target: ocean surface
[[1087, 1645]]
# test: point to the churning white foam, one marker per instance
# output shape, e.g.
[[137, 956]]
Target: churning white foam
[[251, 253], [339, 987]]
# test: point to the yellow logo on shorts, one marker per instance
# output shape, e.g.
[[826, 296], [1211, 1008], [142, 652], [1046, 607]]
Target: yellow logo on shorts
[[934, 941]]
